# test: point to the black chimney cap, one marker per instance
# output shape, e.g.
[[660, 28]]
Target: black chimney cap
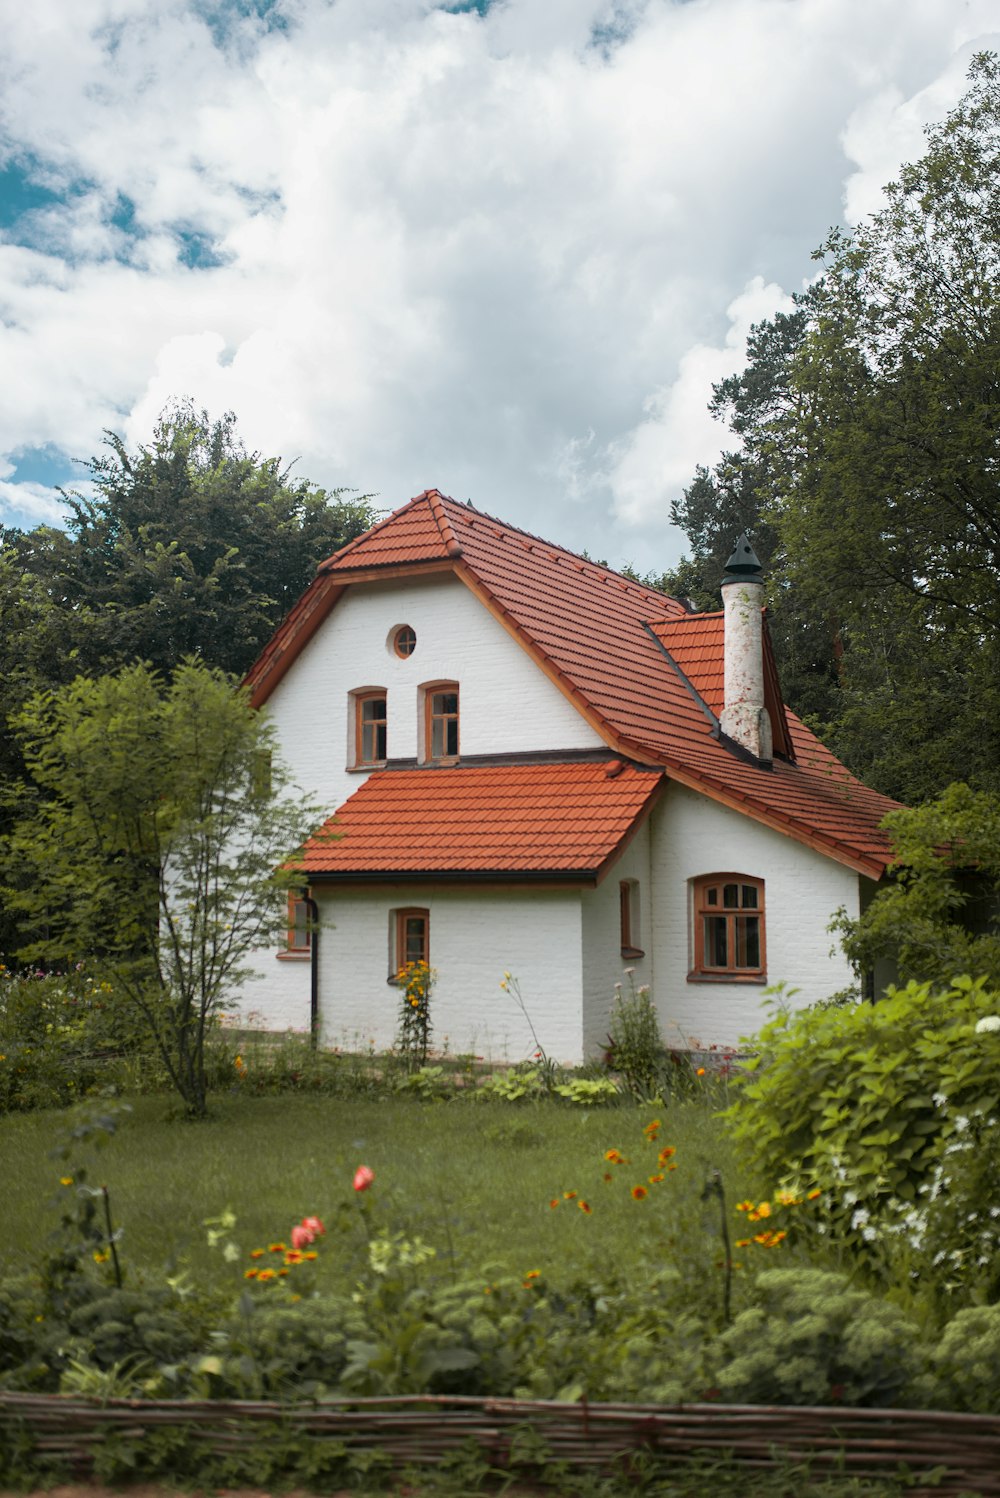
[[744, 564]]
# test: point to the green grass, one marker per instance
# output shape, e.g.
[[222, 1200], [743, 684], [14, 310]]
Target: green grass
[[473, 1179]]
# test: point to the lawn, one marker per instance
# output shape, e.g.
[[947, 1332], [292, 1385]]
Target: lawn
[[474, 1180]]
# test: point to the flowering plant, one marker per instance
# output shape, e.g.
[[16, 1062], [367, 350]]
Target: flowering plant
[[415, 981]]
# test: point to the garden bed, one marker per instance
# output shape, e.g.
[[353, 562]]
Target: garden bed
[[939, 1452]]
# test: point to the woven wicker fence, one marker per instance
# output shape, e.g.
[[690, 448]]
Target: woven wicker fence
[[952, 1453]]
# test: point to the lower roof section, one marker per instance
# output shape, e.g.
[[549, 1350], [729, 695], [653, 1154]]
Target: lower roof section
[[537, 821]]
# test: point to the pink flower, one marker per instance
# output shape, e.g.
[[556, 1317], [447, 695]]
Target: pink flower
[[363, 1177], [301, 1236], [314, 1225]]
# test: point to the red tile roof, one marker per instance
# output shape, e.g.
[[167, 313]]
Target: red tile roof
[[610, 644], [501, 820]]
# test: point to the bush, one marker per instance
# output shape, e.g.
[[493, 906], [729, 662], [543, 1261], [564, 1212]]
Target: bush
[[635, 1046], [62, 1036], [966, 1363], [889, 1086], [815, 1340]]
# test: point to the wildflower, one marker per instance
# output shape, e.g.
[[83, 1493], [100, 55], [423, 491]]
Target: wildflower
[[742, 1243], [813, 1194], [762, 1209], [65, 1180], [293, 1256], [363, 1177], [250, 1274], [554, 1202], [608, 1176], [787, 1198], [700, 1071], [312, 1254], [265, 1274], [569, 1196], [282, 1273], [256, 1253], [639, 1193], [301, 1236], [614, 1156], [585, 1207], [987, 1024], [276, 1248], [667, 1153], [652, 1129], [744, 1206], [654, 1180]]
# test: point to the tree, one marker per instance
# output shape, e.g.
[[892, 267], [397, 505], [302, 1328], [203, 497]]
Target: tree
[[190, 546], [940, 917], [156, 833], [868, 422]]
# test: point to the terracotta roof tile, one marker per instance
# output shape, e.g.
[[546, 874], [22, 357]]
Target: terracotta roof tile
[[557, 818], [602, 638]]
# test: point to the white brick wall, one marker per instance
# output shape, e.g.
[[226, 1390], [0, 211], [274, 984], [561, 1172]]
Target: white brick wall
[[603, 964], [476, 934], [692, 835]]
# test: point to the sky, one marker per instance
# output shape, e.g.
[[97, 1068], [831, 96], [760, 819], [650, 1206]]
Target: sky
[[498, 247]]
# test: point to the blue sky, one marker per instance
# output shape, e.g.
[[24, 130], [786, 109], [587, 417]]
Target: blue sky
[[503, 247]]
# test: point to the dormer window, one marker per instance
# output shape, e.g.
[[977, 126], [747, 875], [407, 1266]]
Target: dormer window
[[441, 708], [370, 735]]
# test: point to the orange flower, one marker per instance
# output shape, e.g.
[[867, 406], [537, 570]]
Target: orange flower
[[666, 1153], [293, 1256], [700, 1072], [615, 1156], [812, 1195], [265, 1274], [639, 1193], [256, 1253], [554, 1202], [250, 1274], [282, 1273], [312, 1254], [743, 1243], [744, 1206], [585, 1207], [569, 1196], [276, 1248], [655, 1179]]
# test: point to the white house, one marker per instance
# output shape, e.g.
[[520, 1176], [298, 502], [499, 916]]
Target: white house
[[547, 769]]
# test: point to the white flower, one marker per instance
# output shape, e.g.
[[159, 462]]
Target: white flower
[[989, 1023]]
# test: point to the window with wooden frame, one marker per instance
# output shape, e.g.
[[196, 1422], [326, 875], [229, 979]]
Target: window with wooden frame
[[728, 927], [411, 938], [441, 722], [370, 728], [628, 908], [298, 941]]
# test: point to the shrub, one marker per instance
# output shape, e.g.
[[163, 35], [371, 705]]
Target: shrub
[[815, 1340], [887, 1083], [635, 1046], [966, 1363]]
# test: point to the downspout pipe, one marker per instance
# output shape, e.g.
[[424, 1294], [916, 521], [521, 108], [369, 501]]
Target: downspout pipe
[[313, 910]]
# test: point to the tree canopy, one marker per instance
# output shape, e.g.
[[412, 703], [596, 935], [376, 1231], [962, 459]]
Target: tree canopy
[[868, 469]]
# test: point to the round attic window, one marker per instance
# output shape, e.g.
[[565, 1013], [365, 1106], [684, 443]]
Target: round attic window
[[404, 640]]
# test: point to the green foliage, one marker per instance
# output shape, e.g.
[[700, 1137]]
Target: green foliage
[[965, 1364], [148, 837], [63, 1036], [939, 915], [635, 1046], [872, 1122], [416, 984], [865, 471], [813, 1339]]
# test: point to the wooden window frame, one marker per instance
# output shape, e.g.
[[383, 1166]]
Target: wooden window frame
[[430, 718], [360, 698], [628, 918], [705, 972], [399, 947], [298, 935], [404, 641]]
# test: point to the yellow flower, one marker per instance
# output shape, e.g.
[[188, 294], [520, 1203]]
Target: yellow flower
[[639, 1193], [65, 1180], [585, 1207], [569, 1196], [250, 1274], [256, 1253], [813, 1194], [265, 1274], [101, 1256], [655, 1179]]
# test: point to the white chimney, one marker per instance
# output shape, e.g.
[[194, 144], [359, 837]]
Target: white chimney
[[744, 716]]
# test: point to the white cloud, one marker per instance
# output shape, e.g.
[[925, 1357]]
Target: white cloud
[[27, 504], [473, 253]]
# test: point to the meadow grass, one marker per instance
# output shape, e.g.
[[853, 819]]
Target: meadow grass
[[475, 1180]]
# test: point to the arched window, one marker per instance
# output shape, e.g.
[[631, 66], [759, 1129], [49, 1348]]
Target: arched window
[[728, 922]]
